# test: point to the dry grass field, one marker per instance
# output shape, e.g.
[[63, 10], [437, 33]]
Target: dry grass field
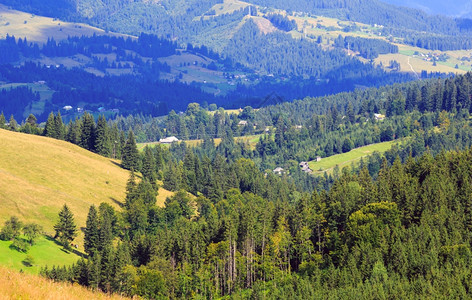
[[38, 29], [38, 175], [16, 285]]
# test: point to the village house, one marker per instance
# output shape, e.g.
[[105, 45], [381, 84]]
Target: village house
[[379, 117], [242, 123], [278, 171], [169, 140], [305, 167]]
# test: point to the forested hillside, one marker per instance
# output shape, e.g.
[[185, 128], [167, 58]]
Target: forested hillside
[[404, 234]]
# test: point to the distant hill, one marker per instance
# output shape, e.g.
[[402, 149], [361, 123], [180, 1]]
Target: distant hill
[[38, 29], [39, 175], [247, 51], [456, 8]]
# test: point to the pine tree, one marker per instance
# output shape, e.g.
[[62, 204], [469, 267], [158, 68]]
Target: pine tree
[[92, 235], [87, 136], [130, 153], [31, 120], [2, 121], [102, 138], [106, 228], [65, 228], [59, 127], [50, 127], [73, 132], [131, 190], [149, 166], [13, 124]]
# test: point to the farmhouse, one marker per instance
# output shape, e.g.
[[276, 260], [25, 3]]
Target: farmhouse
[[379, 117], [278, 171], [305, 167], [169, 140]]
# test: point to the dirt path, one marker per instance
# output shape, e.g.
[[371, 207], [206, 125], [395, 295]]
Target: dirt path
[[411, 67]]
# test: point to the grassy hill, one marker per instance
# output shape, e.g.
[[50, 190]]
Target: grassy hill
[[40, 174], [346, 159], [39, 29], [16, 285]]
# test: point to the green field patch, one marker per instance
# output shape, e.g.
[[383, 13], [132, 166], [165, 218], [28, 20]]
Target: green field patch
[[407, 52], [251, 140], [45, 252], [328, 164]]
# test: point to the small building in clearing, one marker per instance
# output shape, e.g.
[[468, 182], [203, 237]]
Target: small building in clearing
[[379, 117], [169, 140], [305, 167], [278, 171]]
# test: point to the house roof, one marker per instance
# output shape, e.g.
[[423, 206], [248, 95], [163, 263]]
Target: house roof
[[169, 140]]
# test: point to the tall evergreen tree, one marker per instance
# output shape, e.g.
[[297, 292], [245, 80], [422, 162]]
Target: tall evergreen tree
[[31, 120], [149, 166], [92, 235], [50, 127], [59, 127], [2, 120], [65, 228], [130, 153], [74, 131], [13, 124], [87, 136], [102, 138]]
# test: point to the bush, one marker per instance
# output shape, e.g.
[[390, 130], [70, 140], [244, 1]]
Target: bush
[[29, 261], [20, 245], [11, 230]]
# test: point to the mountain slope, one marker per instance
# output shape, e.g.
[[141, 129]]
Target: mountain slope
[[456, 8], [40, 174]]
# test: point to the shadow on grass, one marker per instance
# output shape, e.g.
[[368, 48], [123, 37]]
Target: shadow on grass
[[117, 164], [26, 264], [120, 204], [72, 250]]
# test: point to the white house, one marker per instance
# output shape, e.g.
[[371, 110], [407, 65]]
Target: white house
[[278, 171], [169, 140]]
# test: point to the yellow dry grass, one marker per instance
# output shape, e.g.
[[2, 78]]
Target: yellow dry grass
[[16, 285], [38, 29], [228, 7], [38, 175]]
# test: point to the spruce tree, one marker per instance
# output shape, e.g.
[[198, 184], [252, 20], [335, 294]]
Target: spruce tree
[[149, 166], [2, 120], [74, 131], [92, 233], [102, 138], [107, 223], [59, 127], [65, 228], [130, 153], [121, 145], [131, 190], [50, 127], [31, 120], [13, 124], [87, 136]]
